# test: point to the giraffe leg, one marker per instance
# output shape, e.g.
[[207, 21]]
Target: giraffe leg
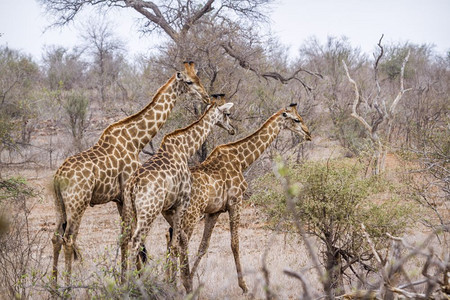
[[184, 259], [234, 212], [174, 242], [210, 222], [70, 236], [169, 216], [57, 242], [138, 239], [125, 237], [68, 252], [190, 219]]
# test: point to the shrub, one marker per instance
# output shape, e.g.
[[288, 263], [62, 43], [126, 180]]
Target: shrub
[[21, 247], [333, 199]]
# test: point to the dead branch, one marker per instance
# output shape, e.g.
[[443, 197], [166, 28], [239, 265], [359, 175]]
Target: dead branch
[[356, 101], [271, 74], [402, 88]]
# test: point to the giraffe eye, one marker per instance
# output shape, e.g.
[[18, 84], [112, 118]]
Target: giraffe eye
[[227, 114], [296, 120], [189, 82]]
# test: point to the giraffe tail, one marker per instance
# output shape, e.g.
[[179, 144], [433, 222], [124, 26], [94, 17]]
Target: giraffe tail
[[60, 208], [62, 216]]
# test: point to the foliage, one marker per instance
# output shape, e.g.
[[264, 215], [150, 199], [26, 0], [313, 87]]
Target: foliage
[[75, 104], [21, 247], [17, 74], [146, 285], [64, 69], [333, 199]]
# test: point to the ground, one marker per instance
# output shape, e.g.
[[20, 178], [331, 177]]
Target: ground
[[98, 240]]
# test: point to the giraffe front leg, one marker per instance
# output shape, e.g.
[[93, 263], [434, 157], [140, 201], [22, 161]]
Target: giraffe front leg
[[234, 213], [174, 242], [210, 222], [125, 237]]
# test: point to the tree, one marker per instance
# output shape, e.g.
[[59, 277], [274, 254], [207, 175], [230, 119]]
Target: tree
[[331, 199], [105, 50], [332, 92], [174, 18], [64, 69], [17, 76], [377, 110], [76, 104]]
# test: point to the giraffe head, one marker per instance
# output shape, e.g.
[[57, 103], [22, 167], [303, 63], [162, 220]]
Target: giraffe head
[[223, 106], [192, 83], [294, 122]]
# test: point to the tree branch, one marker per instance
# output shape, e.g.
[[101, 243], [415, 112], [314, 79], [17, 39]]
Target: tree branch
[[356, 101], [202, 11], [271, 74], [156, 17], [402, 89]]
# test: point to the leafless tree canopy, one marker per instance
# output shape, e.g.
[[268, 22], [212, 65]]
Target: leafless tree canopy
[[174, 18]]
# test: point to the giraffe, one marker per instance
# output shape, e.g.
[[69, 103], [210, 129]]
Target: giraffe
[[96, 176], [218, 186], [162, 184]]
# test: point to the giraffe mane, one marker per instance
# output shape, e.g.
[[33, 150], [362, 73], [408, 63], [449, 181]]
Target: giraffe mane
[[244, 139], [129, 118], [180, 130]]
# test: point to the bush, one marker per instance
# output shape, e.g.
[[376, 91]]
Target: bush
[[21, 247], [76, 108], [333, 199]]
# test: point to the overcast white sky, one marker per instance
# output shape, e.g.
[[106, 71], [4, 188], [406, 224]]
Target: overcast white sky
[[22, 23]]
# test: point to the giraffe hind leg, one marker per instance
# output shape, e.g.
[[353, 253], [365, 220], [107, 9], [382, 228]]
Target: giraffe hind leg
[[57, 242]]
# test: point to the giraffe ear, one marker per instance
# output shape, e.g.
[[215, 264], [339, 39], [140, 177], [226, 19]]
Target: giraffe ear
[[226, 106]]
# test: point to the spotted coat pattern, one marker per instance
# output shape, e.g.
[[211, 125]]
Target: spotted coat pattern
[[218, 186], [96, 176], [163, 183]]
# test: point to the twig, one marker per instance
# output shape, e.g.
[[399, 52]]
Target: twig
[[291, 273]]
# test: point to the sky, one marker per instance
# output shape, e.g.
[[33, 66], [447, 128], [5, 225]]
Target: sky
[[24, 25]]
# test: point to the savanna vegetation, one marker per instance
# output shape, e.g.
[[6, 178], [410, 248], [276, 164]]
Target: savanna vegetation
[[375, 174]]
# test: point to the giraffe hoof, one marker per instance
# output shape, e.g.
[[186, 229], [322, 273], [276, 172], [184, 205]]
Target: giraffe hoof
[[244, 288]]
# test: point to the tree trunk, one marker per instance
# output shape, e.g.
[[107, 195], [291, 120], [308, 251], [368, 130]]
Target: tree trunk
[[334, 283]]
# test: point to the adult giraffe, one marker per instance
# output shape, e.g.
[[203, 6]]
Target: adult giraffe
[[218, 185], [163, 183], [97, 175]]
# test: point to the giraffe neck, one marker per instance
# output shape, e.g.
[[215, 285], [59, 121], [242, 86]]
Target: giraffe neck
[[137, 130], [187, 140], [250, 148]]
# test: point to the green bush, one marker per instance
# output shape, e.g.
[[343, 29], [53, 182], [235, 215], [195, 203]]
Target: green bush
[[76, 107], [333, 199]]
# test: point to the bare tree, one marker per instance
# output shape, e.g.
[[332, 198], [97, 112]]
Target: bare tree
[[64, 69], [105, 50], [377, 105], [174, 18], [17, 75]]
